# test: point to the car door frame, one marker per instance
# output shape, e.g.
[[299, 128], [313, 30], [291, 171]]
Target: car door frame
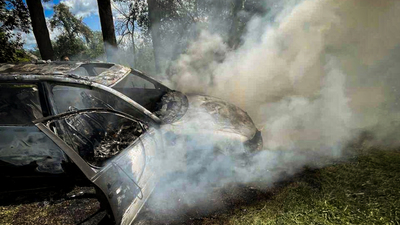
[[96, 176]]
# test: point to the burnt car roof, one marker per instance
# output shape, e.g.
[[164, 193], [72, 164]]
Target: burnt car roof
[[41, 68], [108, 75]]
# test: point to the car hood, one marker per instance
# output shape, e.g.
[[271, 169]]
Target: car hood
[[216, 115]]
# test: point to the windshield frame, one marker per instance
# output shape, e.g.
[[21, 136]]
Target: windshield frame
[[96, 86], [138, 73]]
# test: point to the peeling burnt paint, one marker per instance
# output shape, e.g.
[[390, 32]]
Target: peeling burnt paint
[[229, 115], [39, 68], [111, 75], [126, 181]]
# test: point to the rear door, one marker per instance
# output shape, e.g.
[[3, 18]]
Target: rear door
[[122, 161]]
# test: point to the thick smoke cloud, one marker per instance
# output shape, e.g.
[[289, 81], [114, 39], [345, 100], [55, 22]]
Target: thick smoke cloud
[[296, 62], [312, 80]]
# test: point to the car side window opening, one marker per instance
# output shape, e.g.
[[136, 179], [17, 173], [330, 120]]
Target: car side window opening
[[68, 98], [19, 104], [97, 136]]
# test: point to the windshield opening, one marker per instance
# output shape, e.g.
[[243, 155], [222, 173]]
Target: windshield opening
[[166, 104], [146, 92]]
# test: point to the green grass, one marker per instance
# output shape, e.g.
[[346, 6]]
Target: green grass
[[363, 191]]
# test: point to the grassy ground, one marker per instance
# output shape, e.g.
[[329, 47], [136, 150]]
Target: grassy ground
[[364, 190], [51, 212]]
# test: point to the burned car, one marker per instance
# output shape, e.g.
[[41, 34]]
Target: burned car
[[101, 124]]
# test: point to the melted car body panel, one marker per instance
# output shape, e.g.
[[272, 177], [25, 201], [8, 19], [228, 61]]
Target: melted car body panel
[[111, 75], [215, 115], [129, 179]]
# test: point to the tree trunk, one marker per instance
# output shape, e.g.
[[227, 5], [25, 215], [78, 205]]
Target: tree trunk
[[133, 47], [40, 29], [233, 32], [107, 27], [154, 25]]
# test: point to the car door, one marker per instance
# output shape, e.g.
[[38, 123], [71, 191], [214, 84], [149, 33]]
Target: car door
[[127, 178], [29, 161]]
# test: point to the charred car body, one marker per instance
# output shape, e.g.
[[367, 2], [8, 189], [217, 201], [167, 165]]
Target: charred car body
[[103, 123]]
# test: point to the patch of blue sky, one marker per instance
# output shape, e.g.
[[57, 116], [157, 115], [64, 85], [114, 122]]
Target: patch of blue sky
[[91, 18]]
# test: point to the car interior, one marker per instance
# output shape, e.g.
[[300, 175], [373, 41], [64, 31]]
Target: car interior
[[96, 136]]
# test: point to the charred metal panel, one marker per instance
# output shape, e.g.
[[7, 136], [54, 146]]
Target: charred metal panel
[[107, 78], [217, 116], [74, 156], [172, 107], [111, 75], [229, 115], [128, 180], [39, 68]]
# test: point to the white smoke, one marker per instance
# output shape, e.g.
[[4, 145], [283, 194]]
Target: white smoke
[[312, 80], [294, 69]]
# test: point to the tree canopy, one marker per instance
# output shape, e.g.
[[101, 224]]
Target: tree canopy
[[77, 41], [14, 18], [150, 31]]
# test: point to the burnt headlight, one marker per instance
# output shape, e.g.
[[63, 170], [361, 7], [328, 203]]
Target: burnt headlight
[[255, 144]]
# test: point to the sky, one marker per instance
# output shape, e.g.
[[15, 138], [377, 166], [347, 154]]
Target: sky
[[86, 9]]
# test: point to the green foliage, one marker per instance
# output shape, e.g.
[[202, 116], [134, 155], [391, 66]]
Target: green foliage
[[96, 46], [14, 15], [14, 18], [77, 41], [72, 26], [71, 47], [36, 52]]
